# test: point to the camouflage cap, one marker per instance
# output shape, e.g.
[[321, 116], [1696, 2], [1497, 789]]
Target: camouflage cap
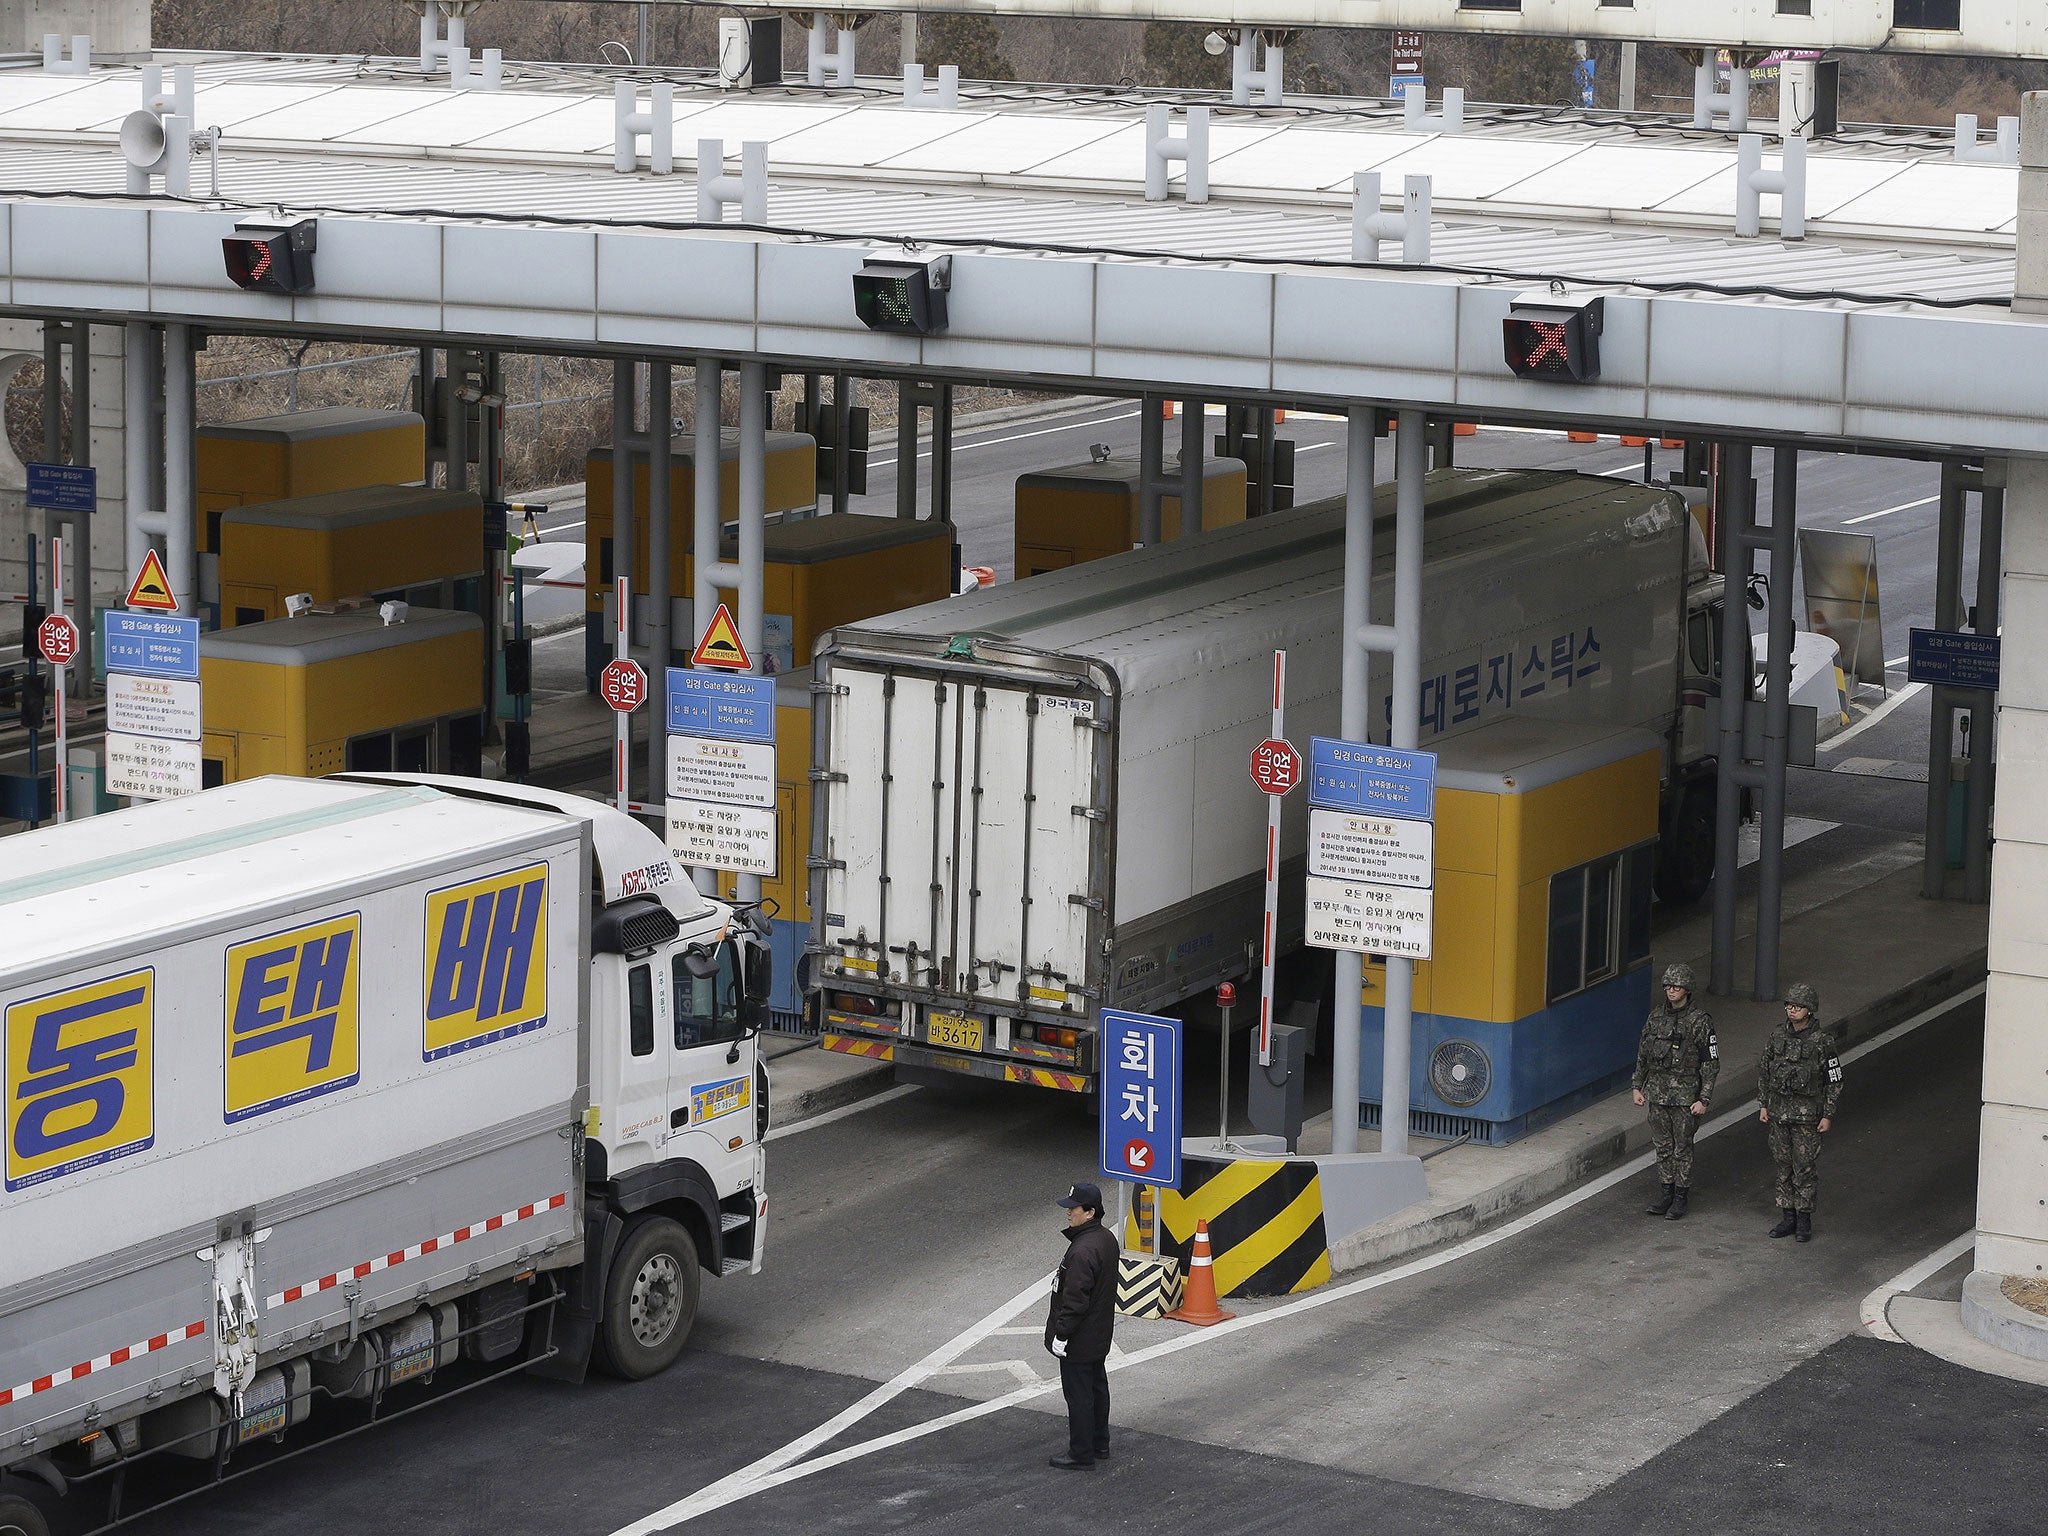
[[1677, 976], [1801, 995]]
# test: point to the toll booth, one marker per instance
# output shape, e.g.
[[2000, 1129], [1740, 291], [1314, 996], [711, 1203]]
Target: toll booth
[[300, 453], [1081, 512], [421, 545], [1533, 999], [328, 692], [817, 572]]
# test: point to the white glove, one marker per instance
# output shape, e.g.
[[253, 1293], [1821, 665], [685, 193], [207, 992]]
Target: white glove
[[1059, 1348]]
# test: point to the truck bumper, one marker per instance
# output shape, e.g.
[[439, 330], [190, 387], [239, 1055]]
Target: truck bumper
[[905, 1054]]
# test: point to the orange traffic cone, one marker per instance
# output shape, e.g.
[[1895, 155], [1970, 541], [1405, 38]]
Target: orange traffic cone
[[1198, 1305]]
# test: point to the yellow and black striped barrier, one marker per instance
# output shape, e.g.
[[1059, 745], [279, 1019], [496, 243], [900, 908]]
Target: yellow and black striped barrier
[[1148, 1286], [1265, 1223]]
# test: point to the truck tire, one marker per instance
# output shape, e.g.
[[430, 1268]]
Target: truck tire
[[18, 1517], [1685, 861], [650, 1298]]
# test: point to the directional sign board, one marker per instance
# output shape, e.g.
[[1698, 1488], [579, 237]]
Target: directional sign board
[[1950, 659], [1372, 919], [1141, 1098], [1349, 776], [719, 705], [731, 772], [150, 645], [62, 487], [57, 639], [1372, 850]]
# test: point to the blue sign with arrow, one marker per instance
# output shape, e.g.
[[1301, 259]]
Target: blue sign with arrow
[[1141, 1098]]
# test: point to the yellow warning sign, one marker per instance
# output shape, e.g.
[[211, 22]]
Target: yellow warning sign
[[721, 646], [152, 587]]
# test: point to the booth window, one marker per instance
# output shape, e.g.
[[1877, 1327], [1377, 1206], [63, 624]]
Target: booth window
[[1928, 15], [1599, 921]]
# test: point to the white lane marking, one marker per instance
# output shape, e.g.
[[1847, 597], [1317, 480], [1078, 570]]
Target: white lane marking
[[1879, 1301], [1872, 718], [1897, 661], [760, 1474], [1904, 506], [811, 1123], [1016, 437], [1016, 1368], [774, 1470]]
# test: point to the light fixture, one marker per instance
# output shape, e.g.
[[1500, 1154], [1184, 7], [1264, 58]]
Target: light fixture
[[1552, 339], [272, 258]]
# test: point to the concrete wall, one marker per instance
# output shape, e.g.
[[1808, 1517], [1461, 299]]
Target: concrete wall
[[115, 26], [2012, 1197]]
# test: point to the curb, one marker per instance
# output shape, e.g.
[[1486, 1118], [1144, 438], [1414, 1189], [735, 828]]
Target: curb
[[2000, 1321], [809, 1103], [1394, 1239]]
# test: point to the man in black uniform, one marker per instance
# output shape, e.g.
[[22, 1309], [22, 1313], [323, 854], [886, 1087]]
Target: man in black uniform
[[1079, 1325]]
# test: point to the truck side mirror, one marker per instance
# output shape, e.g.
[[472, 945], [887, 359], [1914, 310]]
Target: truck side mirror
[[760, 981]]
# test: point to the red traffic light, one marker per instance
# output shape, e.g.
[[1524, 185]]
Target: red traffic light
[[269, 258], [1555, 342]]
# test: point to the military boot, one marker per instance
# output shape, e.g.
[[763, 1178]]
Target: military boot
[[1663, 1201], [1805, 1232], [1787, 1224], [1679, 1197]]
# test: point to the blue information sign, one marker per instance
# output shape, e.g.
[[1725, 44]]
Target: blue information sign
[[1949, 659], [1351, 776], [1140, 1101], [150, 644], [723, 705], [63, 487]]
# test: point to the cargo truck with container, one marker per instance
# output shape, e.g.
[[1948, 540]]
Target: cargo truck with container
[[1033, 803], [315, 1088]]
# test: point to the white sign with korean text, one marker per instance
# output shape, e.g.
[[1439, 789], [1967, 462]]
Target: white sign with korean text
[[716, 836], [731, 772], [153, 706], [150, 767], [1371, 850], [1372, 919]]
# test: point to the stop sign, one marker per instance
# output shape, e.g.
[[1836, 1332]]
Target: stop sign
[[57, 639], [623, 685], [1276, 766]]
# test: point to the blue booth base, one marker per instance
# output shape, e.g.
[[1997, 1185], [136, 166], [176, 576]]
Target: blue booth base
[[1541, 1068]]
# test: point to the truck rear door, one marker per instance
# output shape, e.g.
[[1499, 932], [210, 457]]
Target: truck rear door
[[961, 826]]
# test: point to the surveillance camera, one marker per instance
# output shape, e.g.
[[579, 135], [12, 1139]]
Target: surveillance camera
[[1216, 44], [393, 613], [297, 603]]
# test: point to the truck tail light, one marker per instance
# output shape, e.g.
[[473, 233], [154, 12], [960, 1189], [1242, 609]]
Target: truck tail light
[[871, 1007]]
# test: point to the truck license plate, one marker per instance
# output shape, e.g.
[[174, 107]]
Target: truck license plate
[[951, 1029]]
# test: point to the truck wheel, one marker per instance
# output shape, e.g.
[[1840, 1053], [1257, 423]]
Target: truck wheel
[[18, 1517], [1685, 863], [650, 1298]]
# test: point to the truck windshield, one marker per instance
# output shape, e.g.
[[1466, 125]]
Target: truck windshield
[[708, 1007]]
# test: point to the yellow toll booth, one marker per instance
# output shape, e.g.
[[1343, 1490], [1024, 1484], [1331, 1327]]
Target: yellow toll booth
[[817, 572], [411, 542], [1081, 512], [327, 692], [300, 453]]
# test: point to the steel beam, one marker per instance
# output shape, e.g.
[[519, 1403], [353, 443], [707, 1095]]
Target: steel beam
[[1984, 706], [1151, 453], [1942, 702], [660, 541], [753, 531], [1411, 464], [1734, 511], [1354, 706], [1194, 419], [1777, 717]]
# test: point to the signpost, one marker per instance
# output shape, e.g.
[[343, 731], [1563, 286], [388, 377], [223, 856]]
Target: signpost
[[721, 767], [1141, 1098], [1276, 769], [1406, 69], [1371, 850], [1946, 658], [62, 487], [154, 716], [624, 687], [150, 645], [57, 637]]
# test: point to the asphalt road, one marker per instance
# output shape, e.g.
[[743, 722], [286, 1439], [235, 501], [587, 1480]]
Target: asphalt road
[[1600, 1372]]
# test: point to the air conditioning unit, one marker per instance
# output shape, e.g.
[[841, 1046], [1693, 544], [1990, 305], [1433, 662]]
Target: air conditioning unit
[[749, 51]]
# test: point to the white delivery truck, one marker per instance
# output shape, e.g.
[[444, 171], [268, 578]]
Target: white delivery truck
[[1033, 803], [315, 1086]]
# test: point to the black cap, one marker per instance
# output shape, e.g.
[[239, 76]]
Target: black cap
[[1083, 1194]]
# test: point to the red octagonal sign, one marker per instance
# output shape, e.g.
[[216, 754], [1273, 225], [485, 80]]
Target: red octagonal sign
[[623, 685], [1276, 766], [57, 639]]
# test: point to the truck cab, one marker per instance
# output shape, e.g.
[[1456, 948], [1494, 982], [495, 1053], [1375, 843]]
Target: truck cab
[[678, 1094]]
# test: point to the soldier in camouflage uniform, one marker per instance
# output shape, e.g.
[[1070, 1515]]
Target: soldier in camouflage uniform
[[1677, 1062], [1800, 1083]]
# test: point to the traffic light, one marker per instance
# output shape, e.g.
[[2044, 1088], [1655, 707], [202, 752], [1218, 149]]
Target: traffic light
[[1556, 342], [33, 699], [906, 297], [272, 258]]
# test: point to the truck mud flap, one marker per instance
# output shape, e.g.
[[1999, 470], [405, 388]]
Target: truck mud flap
[[922, 1063], [582, 1298]]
